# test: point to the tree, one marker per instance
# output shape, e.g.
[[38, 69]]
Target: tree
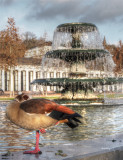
[[117, 52], [118, 57], [11, 46], [30, 40], [104, 42]]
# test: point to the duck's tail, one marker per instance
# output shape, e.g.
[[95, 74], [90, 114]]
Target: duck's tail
[[72, 119]]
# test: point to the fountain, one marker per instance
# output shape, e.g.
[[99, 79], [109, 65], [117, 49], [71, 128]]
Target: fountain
[[78, 66]]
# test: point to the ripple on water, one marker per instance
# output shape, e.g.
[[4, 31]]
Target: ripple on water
[[96, 122]]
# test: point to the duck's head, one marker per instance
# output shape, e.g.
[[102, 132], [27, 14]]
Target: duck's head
[[22, 97]]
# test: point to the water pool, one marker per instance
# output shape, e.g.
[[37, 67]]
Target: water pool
[[97, 121]]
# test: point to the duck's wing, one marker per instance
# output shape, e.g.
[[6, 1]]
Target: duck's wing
[[62, 113], [41, 106], [58, 112]]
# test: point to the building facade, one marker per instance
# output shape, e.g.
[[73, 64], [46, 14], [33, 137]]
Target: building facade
[[28, 68]]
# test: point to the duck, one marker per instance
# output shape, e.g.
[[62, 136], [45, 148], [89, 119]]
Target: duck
[[39, 115]]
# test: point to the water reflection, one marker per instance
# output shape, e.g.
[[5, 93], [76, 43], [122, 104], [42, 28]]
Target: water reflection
[[96, 122]]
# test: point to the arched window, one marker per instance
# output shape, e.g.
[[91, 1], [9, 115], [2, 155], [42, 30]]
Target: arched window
[[15, 73], [23, 80]]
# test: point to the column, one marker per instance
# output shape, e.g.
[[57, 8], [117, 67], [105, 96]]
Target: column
[[61, 74]]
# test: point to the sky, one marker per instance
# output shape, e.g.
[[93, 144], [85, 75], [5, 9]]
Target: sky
[[40, 16]]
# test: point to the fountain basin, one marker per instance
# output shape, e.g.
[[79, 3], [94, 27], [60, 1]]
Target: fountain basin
[[76, 55]]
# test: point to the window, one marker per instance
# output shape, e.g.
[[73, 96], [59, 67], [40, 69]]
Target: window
[[37, 75], [58, 75], [7, 80], [44, 75], [51, 88], [23, 80], [15, 73], [51, 75], [57, 88], [30, 78], [64, 75]]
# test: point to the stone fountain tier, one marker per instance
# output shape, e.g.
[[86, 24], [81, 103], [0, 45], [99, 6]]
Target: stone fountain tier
[[67, 81], [78, 90], [76, 27], [76, 55]]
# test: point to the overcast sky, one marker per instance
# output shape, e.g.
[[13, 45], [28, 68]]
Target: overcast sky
[[39, 16]]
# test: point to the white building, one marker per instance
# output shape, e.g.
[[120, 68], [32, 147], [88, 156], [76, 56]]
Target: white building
[[28, 69]]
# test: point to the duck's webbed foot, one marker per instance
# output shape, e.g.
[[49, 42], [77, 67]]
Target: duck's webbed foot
[[36, 151]]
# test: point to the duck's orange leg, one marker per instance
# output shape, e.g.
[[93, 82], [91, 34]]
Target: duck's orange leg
[[42, 130], [37, 150]]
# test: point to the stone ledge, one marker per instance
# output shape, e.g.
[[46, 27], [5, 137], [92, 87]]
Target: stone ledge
[[106, 148], [114, 154]]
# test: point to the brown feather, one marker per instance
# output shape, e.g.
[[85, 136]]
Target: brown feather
[[28, 120], [31, 114], [40, 106]]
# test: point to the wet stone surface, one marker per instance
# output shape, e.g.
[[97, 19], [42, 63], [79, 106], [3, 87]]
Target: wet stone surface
[[111, 145]]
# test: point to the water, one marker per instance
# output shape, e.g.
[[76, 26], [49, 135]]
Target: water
[[97, 121], [78, 53], [85, 36]]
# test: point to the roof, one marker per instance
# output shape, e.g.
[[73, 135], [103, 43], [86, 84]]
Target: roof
[[29, 61]]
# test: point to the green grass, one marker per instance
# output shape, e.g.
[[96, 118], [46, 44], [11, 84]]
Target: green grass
[[110, 95], [46, 97], [7, 98], [57, 97]]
